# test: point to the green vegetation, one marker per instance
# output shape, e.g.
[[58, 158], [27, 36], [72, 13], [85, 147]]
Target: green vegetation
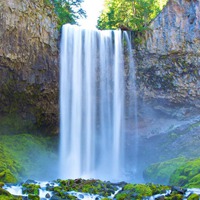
[[187, 175], [193, 197], [105, 189], [179, 172], [67, 11], [129, 14], [25, 156], [14, 124], [29, 100], [5, 195], [161, 172], [31, 189], [138, 191]]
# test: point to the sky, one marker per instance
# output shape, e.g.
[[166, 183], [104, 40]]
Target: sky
[[93, 9]]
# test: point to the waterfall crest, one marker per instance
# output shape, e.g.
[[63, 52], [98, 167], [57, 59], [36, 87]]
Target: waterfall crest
[[92, 104]]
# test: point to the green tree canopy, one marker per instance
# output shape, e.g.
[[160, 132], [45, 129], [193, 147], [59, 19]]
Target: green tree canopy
[[129, 14], [68, 11]]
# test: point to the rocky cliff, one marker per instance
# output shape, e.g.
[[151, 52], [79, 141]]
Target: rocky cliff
[[168, 58], [29, 62]]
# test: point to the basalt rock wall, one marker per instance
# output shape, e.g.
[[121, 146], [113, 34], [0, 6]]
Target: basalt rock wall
[[168, 58], [29, 62]]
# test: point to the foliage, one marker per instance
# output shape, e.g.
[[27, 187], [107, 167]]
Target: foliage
[[30, 189], [187, 175], [138, 191], [129, 14], [161, 172], [24, 155], [12, 123], [63, 189], [68, 11], [105, 189], [193, 197]]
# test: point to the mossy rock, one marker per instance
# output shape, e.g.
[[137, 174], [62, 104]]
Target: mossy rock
[[1, 184], [187, 175], [4, 192], [174, 197], [5, 195], [11, 197], [33, 197], [194, 182], [158, 189], [134, 191], [93, 186], [30, 189], [14, 124], [26, 155], [7, 177], [193, 197], [160, 172]]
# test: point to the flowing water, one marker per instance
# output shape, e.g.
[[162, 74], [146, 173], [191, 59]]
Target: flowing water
[[92, 103]]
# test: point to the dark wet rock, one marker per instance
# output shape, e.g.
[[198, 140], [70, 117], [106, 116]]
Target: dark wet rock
[[55, 197], [29, 181], [178, 190], [29, 62], [47, 196], [120, 184], [80, 196], [162, 197]]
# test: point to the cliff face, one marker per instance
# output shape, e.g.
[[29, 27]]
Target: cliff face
[[168, 59], [29, 61]]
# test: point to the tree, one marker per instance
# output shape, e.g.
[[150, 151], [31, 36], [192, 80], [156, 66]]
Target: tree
[[68, 11], [128, 14]]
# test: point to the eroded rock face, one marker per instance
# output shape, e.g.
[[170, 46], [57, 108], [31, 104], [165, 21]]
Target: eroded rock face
[[168, 60], [29, 61]]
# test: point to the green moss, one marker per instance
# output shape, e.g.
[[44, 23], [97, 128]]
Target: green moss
[[31, 189], [158, 189], [33, 197], [47, 2], [5, 195], [25, 156], [161, 172], [1, 184], [105, 189], [4, 192], [176, 197], [194, 182], [30, 100], [9, 168], [122, 196], [187, 175], [193, 197], [134, 191], [7, 177], [12, 123], [129, 186]]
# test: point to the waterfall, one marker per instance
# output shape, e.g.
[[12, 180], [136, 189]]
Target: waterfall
[[92, 103]]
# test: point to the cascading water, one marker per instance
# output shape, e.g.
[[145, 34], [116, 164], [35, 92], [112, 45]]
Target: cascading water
[[92, 106]]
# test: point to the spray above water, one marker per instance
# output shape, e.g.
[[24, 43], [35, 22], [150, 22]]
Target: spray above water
[[92, 104]]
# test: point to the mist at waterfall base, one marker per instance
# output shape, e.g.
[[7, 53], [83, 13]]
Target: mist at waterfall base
[[93, 104]]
